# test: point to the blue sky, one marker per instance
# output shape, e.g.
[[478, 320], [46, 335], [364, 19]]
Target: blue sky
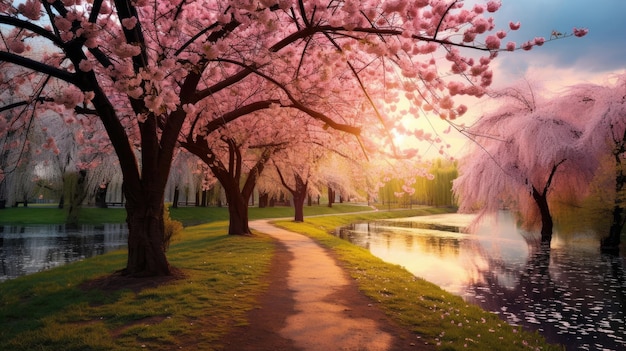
[[566, 61]]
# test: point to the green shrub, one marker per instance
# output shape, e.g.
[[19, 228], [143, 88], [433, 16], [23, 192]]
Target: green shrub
[[172, 228]]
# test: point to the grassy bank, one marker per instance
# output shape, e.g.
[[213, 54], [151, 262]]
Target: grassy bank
[[53, 311], [440, 317]]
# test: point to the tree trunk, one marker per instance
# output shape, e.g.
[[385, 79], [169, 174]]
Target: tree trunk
[[75, 192], [610, 244], [101, 195], [146, 233], [299, 195], [237, 211], [204, 198], [263, 200], [331, 197], [176, 197], [546, 218]]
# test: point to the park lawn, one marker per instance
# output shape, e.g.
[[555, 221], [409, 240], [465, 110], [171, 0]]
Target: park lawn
[[223, 275], [439, 317], [187, 215]]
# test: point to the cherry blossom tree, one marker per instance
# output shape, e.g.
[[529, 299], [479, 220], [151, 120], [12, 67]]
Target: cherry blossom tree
[[237, 155], [605, 107], [299, 168], [147, 68], [521, 160]]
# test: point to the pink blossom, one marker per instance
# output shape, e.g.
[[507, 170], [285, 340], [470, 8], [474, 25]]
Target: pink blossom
[[479, 9], [481, 25], [129, 23], [394, 6], [17, 46], [127, 50], [580, 32], [69, 97], [514, 26], [492, 42], [31, 9], [501, 34], [461, 110], [493, 6], [85, 65], [527, 46], [510, 46], [62, 24], [446, 102], [469, 36], [539, 41], [455, 87]]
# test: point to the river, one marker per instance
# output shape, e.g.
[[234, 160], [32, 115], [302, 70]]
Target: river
[[27, 249], [570, 293]]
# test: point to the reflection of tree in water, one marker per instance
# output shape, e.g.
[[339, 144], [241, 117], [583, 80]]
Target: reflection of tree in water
[[571, 298], [362, 234], [27, 250]]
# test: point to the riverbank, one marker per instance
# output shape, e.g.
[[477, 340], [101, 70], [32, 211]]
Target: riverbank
[[221, 279]]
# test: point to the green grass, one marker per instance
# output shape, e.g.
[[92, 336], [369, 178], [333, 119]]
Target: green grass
[[439, 317], [187, 215], [49, 310]]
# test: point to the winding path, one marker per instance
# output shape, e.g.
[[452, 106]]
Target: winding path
[[321, 319]]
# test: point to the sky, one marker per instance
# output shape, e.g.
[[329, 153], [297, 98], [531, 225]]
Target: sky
[[560, 63], [594, 58]]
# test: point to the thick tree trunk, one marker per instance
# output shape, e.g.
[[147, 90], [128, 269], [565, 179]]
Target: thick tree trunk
[[237, 211], [298, 203], [547, 224], [146, 252]]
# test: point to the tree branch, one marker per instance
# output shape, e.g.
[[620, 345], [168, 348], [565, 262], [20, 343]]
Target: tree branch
[[38, 67]]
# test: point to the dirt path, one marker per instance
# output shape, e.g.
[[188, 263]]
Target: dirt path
[[312, 304]]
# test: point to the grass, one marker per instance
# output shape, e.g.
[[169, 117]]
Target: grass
[[187, 215], [439, 317], [50, 310]]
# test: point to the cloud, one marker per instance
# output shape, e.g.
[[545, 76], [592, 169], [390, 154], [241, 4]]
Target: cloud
[[602, 50]]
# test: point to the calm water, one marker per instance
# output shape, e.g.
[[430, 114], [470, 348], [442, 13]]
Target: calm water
[[570, 292], [32, 248]]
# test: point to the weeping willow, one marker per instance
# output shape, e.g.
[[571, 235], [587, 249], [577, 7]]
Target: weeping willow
[[435, 191]]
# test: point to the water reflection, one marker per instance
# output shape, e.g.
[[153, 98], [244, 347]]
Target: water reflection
[[569, 292], [32, 248]]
